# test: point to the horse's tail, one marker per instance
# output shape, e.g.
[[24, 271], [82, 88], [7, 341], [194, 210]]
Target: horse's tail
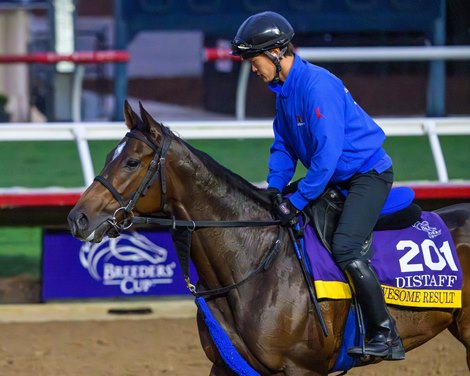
[[457, 218]]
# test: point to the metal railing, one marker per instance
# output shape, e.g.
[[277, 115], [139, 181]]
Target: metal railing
[[80, 59], [81, 133], [436, 87]]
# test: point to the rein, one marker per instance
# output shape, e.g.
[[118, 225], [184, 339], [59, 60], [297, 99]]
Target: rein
[[172, 223], [183, 254], [181, 229]]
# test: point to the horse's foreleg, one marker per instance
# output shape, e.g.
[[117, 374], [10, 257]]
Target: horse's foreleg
[[218, 366]]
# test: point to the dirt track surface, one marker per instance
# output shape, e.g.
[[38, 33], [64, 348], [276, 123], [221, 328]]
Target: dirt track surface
[[162, 347]]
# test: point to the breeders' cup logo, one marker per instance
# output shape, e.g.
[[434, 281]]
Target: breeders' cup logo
[[424, 226], [131, 261]]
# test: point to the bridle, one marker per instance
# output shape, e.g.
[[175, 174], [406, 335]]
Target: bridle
[[155, 170], [181, 229]]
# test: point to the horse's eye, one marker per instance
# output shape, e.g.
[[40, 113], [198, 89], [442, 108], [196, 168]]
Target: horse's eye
[[132, 163]]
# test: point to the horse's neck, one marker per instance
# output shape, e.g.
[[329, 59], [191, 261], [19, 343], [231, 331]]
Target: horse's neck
[[222, 256], [200, 194]]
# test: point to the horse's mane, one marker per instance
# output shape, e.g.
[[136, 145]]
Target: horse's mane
[[233, 179]]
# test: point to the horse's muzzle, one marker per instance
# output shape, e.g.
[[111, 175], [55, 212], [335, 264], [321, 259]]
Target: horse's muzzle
[[78, 223], [82, 229]]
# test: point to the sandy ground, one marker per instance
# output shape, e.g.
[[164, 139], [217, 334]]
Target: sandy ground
[[162, 347], [84, 339]]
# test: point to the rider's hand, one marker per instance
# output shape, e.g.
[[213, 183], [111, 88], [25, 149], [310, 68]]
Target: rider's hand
[[286, 212], [273, 193]]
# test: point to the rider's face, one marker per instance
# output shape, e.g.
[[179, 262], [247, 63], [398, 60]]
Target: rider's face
[[263, 67]]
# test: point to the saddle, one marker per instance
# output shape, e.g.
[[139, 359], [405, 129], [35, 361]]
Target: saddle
[[399, 212]]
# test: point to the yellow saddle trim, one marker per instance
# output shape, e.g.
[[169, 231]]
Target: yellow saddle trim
[[332, 290], [423, 298], [395, 295]]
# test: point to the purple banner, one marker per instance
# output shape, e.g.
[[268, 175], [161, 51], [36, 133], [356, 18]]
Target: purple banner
[[134, 264]]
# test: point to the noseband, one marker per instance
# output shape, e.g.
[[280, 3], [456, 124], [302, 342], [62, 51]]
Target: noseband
[[156, 169]]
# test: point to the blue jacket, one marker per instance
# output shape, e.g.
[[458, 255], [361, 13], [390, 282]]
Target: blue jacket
[[319, 123]]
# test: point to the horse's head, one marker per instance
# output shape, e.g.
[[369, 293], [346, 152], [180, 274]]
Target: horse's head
[[123, 187]]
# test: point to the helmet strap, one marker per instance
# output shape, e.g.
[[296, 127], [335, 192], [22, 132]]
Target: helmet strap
[[277, 62]]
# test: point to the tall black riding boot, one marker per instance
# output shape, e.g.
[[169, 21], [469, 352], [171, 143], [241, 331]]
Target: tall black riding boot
[[384, 342]]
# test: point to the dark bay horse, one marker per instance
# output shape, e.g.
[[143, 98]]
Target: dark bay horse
[[269, 318]]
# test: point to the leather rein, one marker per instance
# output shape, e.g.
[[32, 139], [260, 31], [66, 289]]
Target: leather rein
[[182, 229]]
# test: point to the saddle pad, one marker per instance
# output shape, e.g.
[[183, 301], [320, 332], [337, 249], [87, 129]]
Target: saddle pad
[[417, 266]]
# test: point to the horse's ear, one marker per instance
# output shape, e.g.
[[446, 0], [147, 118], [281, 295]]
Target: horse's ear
[[148, 120], [130, 116], [146, 117]]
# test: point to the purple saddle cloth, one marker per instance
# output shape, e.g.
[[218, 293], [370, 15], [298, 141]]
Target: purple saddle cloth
[[417, 266]]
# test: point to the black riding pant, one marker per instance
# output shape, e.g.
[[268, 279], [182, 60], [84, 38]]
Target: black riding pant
[[366, 195]]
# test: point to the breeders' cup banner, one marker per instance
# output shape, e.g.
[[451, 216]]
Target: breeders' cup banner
[[133, 264]]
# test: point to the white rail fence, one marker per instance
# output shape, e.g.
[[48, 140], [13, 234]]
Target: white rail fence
[[81, 133]]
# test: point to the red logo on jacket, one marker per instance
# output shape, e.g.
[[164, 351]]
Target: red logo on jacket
[[318, 113]]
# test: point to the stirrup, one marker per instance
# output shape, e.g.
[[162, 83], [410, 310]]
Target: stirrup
[[390, 351]]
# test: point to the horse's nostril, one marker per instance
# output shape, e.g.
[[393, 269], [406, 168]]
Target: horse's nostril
[[82, 222]]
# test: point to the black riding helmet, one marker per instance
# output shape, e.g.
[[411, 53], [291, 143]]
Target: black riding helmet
[[261, 33]]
